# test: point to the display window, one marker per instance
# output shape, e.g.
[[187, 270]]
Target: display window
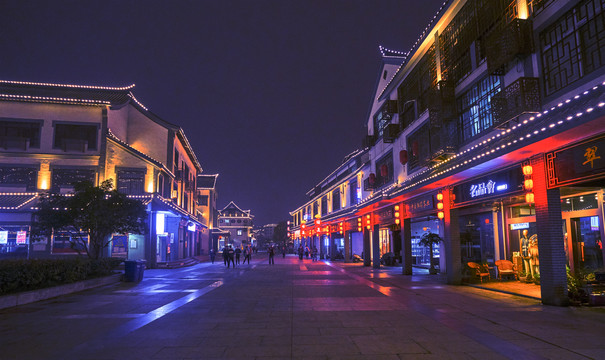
[[477, 237], [420, 226]]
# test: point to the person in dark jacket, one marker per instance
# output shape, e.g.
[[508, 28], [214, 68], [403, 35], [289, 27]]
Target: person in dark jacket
[[238, 252], [212, 255], [271, 255], [300, 252], [225, 255], [230, 256]]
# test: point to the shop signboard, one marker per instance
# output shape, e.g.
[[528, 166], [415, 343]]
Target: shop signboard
[[584, 161], [21, 237], [497, 184], [386, 216], [519, 226], [3, 237], [419, 205]]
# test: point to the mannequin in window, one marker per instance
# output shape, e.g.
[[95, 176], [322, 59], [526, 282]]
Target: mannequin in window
[[534, 260], [525, 253]]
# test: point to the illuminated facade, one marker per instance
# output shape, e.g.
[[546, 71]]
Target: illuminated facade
[[238, 223], [52, 135], [490, 133]]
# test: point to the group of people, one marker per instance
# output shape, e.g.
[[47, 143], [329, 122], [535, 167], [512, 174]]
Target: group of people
[[233, 256], [306, 251]]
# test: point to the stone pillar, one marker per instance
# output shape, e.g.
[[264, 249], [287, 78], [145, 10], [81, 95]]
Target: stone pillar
[[451, 240], [347, 239], [367, 261], [406, 247], [376, 247], [551, 249]]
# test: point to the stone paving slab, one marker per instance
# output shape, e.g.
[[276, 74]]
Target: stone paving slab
[[296, 310]]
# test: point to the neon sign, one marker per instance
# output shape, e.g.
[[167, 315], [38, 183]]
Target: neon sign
[[486, 188], [519, 226]]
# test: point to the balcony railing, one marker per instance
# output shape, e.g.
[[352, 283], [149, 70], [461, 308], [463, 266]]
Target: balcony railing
[[520, 97], [503, 46], [444, 141]]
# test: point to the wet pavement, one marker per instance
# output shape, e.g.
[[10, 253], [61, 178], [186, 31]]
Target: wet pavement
[[297, 310]]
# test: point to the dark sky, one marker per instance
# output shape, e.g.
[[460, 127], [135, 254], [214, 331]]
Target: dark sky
[[271, 94]]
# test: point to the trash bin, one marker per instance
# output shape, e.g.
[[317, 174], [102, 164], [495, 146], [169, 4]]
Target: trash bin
[[141, 265], [130, 271]]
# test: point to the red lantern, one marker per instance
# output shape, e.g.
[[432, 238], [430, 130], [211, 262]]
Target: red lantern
[[403, 157], [372, 178], [384, 170], [415, 148]]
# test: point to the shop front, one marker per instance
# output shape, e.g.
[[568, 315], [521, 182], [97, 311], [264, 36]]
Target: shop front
[[420, 218], [389, 229]]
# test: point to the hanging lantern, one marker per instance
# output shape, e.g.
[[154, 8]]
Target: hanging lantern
[[384, 171], [528, 184], [415, 148], [440, 214], [403, 157], [529, 197], [528, 170], [372, 178]]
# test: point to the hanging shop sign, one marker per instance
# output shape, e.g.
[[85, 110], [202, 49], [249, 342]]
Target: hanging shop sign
[[500, 183], [584, 161]]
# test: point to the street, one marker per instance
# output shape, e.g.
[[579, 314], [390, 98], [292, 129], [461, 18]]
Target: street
[[297, 310]]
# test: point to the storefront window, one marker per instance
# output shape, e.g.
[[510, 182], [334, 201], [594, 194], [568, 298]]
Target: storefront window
[[477, 237], [522, 210], [578, 203], [420, 226], [523, 243], [587, 244], [385, 241]]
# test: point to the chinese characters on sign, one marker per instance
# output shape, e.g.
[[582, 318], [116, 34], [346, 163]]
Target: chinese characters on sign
[[483, 188], [591, 155]]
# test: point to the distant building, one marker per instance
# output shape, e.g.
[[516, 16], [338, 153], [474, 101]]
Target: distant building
[[263, 235], [206, 210], [237, 222]]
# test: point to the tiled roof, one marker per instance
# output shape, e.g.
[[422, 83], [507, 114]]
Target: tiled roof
[[14, 201]]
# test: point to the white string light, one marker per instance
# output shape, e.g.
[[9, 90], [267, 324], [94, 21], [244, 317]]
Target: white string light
[[68, 85]]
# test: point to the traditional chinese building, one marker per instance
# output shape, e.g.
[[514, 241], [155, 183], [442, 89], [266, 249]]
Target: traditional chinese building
[[489, 131], [238, 223], [53, 135]]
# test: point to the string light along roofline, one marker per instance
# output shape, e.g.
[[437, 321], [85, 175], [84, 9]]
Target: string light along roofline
[[123, 88], [48, 99], [418, 42], [391, 53], [478, 148]]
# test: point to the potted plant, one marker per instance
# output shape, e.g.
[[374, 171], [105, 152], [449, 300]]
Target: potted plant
[[428, 240]]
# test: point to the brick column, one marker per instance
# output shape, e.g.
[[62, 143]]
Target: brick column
[[551, 249], [367, 261], [406, 247], [451, 240], [376, 247], [348, 235]]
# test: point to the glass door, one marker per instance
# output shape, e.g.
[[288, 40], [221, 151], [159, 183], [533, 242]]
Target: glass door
[[586, 243]]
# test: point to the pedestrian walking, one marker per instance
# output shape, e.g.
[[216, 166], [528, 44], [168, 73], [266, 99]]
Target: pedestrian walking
[[225, 255], [283, 252], [230, 256], [307, 252], [247, 254], [314, 254], [300, 252], [271, 255], [212, 255], [238, 252]]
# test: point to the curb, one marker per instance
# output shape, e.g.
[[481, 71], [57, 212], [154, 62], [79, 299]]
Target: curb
[[27, 297]]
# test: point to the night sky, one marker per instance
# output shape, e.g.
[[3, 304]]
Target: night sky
[[271, 94]]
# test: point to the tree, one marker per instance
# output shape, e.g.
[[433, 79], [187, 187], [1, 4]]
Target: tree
[[280, 234], [91, 216], [428, 240]]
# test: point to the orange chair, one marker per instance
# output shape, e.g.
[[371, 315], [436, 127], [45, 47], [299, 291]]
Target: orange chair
[[506, 268], [479, 270]]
